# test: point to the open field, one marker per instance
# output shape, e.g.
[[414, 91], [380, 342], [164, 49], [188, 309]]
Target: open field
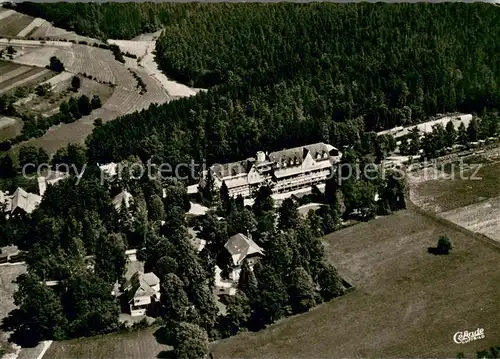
[[141, 344], [13, 24], [479, 217], [9, 129], [99, 64], [408, 303], [8, 273], [32, 26], [120, 102], [445, 193], [49, 104], [32, 77], [7, 69], [470, 202]]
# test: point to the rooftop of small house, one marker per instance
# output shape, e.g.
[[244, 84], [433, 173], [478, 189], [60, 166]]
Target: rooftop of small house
[[240, 246], [141, 284]]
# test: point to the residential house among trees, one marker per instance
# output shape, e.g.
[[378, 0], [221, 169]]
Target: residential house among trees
[[285, 171], [241, 248], [123, 198], [142, 290], [20, 202]]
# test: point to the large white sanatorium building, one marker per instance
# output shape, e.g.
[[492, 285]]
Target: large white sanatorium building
[[284, 171]]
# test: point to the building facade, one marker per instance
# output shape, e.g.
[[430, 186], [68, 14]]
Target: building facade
[[241, 248], [20, 202], [284, 171], [142, 290]]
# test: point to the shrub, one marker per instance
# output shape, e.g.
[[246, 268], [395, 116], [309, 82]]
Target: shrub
[[56, 64], [43, 89], [444, 245]]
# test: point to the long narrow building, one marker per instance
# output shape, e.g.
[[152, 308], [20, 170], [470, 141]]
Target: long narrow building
[[284, 171]]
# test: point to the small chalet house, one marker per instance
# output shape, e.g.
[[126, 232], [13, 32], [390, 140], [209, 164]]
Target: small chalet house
[[20, 202], [142, 290], [241, 248], [121, 200]]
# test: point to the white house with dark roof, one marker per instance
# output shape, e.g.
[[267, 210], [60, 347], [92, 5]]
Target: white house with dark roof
[[241, 248], [142, 290], [20, 201], [285, 171]]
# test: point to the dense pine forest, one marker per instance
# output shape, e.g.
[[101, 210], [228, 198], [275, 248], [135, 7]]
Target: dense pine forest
[[285, 74]]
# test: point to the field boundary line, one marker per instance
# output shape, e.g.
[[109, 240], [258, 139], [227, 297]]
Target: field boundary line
[[46, 346], [447, 223]]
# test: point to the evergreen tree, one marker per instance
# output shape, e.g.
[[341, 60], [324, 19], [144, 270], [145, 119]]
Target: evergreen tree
[[451, 134], [204, 301], [462, 135], [7, 169], [208, 188], [415, 143], [173, 299], [110, 258], [472, 130], [329, 282], [272, 297], [240, 220], [89, 305], [302, 291], [75, 83], [29, 158], [84, 106], [288, 215], [190, 342], [314, 223], [39, 315], [96, 103], [224, 197], [156, 211], [247, 283], [55, 64], [238, 313]]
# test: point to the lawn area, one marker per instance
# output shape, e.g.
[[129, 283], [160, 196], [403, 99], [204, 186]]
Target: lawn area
[[9, 129], [8, 273], [408, 303], [140, 344], [442, 195]]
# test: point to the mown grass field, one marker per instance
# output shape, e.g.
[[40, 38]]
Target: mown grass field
[[141, 344], [470, 203], [13, 24], [445, 194], [408, 303]]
